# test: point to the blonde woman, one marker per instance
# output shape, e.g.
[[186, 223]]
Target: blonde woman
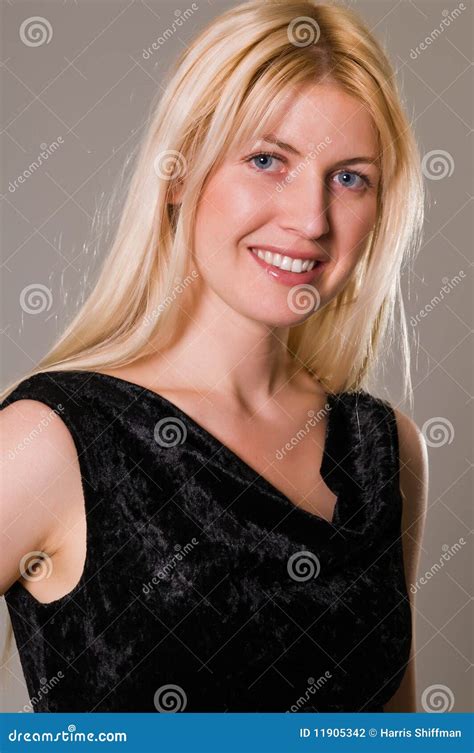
[[206, 507]]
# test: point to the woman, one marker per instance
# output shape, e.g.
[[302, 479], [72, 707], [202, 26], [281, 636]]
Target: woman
[[211, 511]]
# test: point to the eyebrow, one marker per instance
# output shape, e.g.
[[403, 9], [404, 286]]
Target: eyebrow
[[270, 138]]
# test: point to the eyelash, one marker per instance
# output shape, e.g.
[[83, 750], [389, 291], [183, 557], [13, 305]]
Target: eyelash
[[364, 176]]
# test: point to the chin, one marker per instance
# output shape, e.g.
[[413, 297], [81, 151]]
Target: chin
[[280, 317]]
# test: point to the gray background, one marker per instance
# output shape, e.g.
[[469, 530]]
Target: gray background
[[90, 87]]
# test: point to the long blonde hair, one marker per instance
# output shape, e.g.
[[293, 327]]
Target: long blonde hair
[[223, 89]]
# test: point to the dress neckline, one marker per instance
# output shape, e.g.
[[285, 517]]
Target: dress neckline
[[223, 449]]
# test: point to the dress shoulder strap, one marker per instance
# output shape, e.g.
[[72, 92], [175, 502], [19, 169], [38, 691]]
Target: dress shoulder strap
[[378, 433], [366, 457]]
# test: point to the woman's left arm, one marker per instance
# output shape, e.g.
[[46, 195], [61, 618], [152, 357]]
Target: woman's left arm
[[414, 489]]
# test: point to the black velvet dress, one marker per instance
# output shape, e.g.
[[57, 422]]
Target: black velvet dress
[[205, 589]]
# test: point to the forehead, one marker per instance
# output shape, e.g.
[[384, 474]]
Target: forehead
[[322, 113]]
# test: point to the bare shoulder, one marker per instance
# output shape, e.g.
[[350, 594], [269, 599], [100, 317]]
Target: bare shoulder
[[35, 434], [413, 465], [413, 458], [41, 483], [414, 489]]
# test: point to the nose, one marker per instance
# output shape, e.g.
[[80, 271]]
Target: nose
[[304, 205]]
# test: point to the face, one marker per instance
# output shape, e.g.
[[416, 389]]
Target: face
[[309, 199]]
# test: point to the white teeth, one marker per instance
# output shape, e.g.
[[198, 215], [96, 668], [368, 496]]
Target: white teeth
[[297, 265], [285, 262]]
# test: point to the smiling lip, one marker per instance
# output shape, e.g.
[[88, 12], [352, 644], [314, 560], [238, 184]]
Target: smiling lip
[[284, 276]]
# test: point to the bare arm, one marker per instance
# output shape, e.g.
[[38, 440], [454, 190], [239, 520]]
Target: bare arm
[[39, 471], [414, 489]]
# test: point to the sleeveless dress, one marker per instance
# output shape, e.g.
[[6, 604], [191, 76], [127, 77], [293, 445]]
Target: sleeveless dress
[[205, 589]]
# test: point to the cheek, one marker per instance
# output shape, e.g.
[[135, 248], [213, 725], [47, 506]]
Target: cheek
[[229, 198], [226, 213], [353, 226], [352, 231]]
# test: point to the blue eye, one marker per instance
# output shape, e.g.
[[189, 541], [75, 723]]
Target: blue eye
[[263, 156], [361, 176], [263, 160]]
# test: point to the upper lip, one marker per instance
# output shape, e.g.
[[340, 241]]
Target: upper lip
[[292, 253]]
